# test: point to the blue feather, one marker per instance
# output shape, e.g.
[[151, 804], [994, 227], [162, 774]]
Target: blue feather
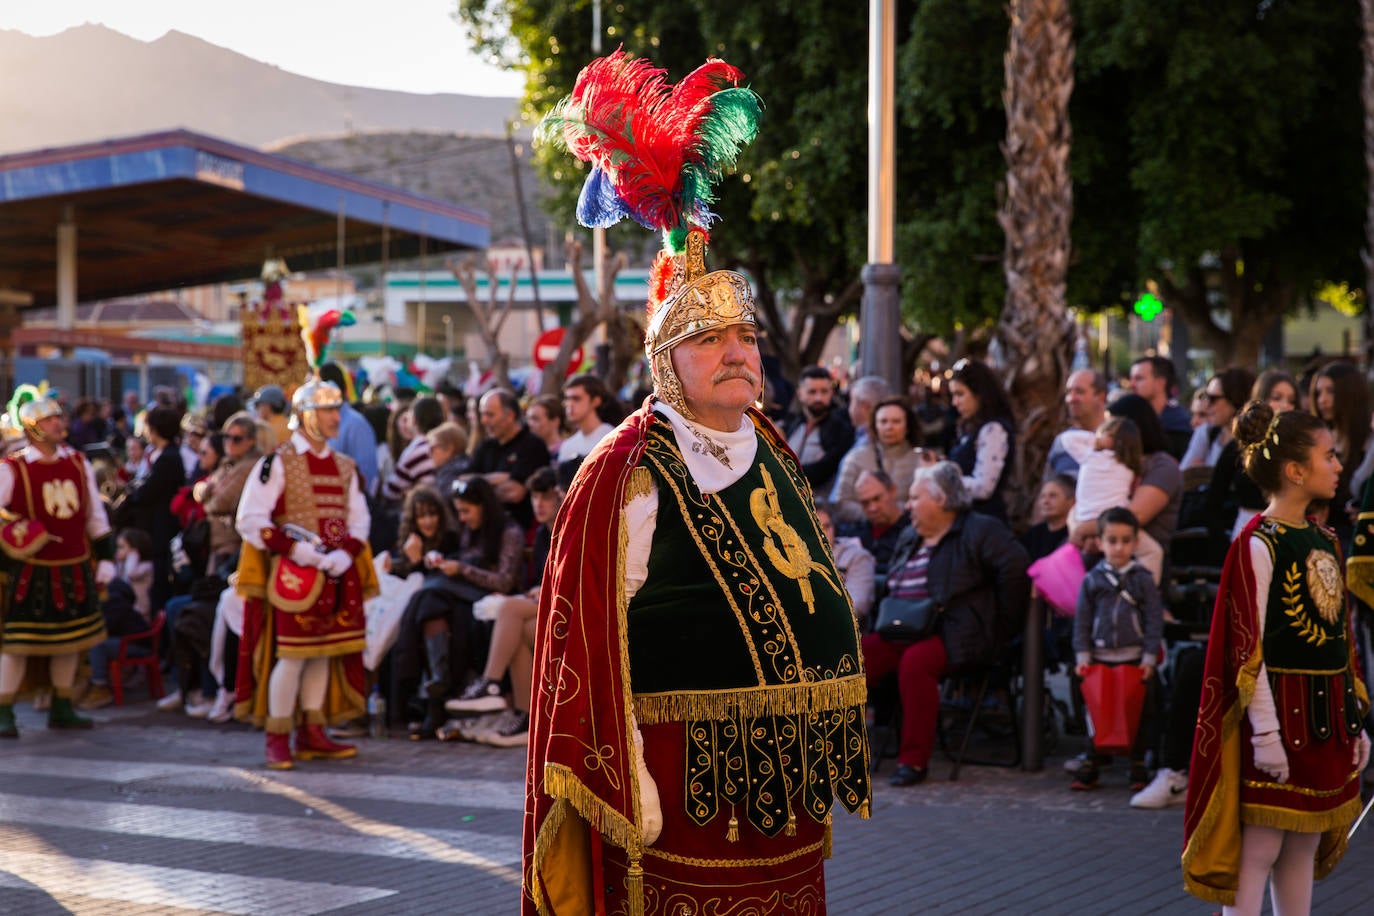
[[598, 206]]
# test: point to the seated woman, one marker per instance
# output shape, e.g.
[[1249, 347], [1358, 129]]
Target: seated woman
[[512, 639], [893, 434], [438, 620], [971, 566], [854, 563]]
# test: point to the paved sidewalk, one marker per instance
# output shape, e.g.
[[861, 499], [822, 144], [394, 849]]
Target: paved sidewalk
[[153, 813]]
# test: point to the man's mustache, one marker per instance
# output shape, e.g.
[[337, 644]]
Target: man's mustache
[[726, 374]]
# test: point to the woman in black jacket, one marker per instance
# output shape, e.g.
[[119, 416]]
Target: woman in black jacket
[[147, 502], [972, 567]]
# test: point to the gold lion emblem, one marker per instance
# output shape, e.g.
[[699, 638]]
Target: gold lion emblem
[[1325, 585]]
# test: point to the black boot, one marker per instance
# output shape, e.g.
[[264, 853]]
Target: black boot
[[435, 683], [434, 717]]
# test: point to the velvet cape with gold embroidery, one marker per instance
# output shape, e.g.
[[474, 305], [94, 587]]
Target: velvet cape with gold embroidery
[[580, 770], [1212, 821]]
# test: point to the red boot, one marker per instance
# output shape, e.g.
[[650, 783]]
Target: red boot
[[279, 751], [312, 743]]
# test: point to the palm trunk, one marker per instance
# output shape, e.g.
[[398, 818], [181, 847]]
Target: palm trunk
[[1035, 336]]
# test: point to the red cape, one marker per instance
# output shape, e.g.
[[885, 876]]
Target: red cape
[[580, 779], [1212, 825]]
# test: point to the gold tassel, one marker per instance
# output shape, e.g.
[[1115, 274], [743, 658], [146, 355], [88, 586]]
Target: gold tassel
[[732, 835], [865, 810], [791, 829], [634, 886], [827, 846]]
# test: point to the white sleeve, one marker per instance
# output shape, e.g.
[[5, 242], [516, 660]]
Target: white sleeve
[[6, 482], [991, 458], [359, 517], [641, 519], [255, 506], [1198, 446], [97, 520], [1263, 714]]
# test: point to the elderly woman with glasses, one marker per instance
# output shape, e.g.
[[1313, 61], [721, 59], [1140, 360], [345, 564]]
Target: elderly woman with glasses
[[220, 491], [974, 570]]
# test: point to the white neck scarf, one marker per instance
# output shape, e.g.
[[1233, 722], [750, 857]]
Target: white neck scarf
[[716, 459]]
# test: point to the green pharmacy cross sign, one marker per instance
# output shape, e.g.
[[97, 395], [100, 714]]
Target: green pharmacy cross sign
[[1148, 307]]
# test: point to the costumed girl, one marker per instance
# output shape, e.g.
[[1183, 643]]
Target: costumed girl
[[1275, 776]]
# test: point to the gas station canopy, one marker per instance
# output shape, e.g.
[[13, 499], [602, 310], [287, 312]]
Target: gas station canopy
[[173, 209]]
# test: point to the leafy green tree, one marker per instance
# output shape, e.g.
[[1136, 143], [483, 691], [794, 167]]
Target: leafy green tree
[[793, 215], [1219, 151]]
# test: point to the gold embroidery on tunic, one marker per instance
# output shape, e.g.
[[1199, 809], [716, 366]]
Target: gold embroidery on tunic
[[1325, 583], [1309, 629], [793, 559]]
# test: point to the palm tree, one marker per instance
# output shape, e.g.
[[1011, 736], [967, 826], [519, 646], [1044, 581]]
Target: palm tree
[[1034, 337]]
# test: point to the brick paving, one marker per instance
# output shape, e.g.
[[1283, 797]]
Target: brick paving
[[152, 813]]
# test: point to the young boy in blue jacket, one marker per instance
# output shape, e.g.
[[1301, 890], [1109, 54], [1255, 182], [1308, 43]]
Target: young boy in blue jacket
[[1119, 621]]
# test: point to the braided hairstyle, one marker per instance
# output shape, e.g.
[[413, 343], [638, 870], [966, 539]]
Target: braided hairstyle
[[1268, 442]]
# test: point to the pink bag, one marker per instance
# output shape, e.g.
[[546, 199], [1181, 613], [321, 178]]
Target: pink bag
[[1059, 577]]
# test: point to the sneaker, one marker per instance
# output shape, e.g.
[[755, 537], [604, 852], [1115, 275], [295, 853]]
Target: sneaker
[[223, 710], [97, 696], [482, 695], [1074, 764], [199, 710], [511, 730], [467, 729], [171, 702], [1169, 789], [1086, 778], [355, 729]]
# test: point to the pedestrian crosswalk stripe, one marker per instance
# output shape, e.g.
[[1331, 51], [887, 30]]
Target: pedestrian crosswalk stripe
[[499, 855], [62, 877], [338, 784]]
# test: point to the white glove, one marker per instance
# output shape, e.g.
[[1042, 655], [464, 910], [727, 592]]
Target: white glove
[[650, 809], [336, 563], [302, 554], [1361, 751], [1270, 755], [104, 572]]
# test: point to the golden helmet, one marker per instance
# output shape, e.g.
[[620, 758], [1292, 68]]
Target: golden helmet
[[313, 396], [31, 405]]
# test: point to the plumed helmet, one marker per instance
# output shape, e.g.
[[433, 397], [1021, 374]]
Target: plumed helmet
[[313, 396], [31, 405]]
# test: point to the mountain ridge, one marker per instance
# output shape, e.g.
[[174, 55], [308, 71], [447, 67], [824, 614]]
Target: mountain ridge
[[58, 90]]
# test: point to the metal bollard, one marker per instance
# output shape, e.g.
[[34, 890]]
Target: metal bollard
[[1033, 693]]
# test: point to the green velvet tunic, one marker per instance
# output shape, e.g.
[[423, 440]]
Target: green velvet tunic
[[744, 632]]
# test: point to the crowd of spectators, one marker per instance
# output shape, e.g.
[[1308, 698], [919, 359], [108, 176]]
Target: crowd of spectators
[[462, 492], [912, 492]]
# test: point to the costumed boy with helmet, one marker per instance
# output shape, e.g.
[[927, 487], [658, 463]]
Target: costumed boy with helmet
[[54, 525], [304, 573], [699, 688]]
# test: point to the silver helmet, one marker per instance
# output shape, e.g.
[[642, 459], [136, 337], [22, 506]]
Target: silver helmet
[[313, 396]]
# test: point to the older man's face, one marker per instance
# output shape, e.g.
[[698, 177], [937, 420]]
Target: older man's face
[[1084, 402], [721, 374], [879, 503], [497, 421]]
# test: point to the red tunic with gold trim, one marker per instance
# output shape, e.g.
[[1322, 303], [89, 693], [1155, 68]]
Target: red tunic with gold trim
[[52, 605], [1306, 648], [320, 493]]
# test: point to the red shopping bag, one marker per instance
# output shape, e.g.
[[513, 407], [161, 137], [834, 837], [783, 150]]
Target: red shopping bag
[[1115, 695]]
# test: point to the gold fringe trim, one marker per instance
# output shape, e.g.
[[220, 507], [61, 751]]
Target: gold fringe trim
[[1299, 790], [1211, 815], [634, 886], [1359, 577], [279, 725], [542, 841], [641, 483], [560, 783], [1302, 821], [750, 702], [651, 853]]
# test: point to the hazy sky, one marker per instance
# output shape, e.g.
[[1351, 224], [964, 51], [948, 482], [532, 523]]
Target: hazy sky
[[411, 45]]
